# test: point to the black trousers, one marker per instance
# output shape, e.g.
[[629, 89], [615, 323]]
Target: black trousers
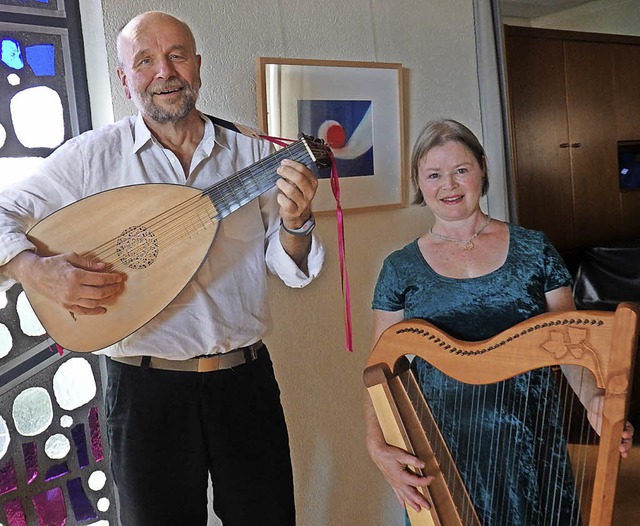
[[169, 430]]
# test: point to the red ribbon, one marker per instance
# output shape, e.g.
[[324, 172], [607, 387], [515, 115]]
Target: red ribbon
[[346, 294], [335, 189]]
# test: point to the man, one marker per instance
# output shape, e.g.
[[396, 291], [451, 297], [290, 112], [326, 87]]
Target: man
[[169, 426]]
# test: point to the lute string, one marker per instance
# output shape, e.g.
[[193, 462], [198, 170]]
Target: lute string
[[170, 226]]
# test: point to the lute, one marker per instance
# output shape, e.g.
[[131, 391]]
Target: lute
[[157, 234]]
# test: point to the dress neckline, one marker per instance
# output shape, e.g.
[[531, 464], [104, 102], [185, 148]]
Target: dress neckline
[[483, 276]]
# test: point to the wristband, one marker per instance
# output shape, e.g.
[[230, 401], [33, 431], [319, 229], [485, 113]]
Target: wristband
[[304, 230]]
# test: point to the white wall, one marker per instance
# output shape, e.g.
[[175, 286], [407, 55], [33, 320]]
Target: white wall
[[336, 484]]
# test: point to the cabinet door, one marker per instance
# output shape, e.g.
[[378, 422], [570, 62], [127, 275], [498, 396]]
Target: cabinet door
[[591, 116], [541, 153]]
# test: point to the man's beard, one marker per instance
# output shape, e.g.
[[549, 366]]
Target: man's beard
[[175, 113]]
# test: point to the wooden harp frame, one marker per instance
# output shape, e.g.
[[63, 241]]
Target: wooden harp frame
[[608, 341]]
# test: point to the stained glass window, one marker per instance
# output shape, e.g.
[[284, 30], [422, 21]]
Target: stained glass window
[[35, 7], [37, 100], [54, 460]]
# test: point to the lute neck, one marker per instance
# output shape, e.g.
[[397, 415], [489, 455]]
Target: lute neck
[[238, 189]]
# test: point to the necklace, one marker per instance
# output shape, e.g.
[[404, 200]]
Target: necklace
[[466, 244]]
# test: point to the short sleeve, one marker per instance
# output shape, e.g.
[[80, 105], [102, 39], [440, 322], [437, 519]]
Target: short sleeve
[[388, 295], [556, 273]]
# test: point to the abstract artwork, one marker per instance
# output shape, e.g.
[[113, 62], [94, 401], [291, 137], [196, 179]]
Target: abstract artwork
[[346, 126], [54, 459], [356, 108], [37, 100]]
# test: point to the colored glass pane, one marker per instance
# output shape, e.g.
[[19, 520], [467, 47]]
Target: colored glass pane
[[11, 53], [41, 59]]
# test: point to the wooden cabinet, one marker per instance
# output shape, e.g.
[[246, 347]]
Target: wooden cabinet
[[627, 101], [572, 97]]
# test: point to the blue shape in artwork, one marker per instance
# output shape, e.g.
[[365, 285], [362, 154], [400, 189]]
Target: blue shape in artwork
[[349, 123], [41, 59], [56, 471], [11, 54], [43, 1], [82, 508], [80, 441]]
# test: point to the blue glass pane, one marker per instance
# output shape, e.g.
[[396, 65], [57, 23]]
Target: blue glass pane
[[11, 54], [41, 59], [26, 6], [34, 59]]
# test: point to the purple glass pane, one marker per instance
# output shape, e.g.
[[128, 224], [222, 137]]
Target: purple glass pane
[[94, 430], [14, 512], [80, 441], [57, 470], [8, 481], [30, 454], [50, 507], [82, 508]]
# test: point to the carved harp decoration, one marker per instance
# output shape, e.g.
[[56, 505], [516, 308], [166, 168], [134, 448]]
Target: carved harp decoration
[[603, 343]]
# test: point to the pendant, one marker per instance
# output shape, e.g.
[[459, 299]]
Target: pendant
[[468, 246]]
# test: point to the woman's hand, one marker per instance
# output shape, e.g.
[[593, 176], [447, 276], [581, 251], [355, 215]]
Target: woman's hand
[[627, 439], [395, 464], [594, 414]]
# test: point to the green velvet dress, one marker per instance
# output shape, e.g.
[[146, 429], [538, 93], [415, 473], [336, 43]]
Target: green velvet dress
[[507, 437]]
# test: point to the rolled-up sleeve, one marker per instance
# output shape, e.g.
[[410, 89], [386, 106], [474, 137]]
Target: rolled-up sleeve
[[281, 264]]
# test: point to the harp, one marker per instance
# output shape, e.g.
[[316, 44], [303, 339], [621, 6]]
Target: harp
[[603, 343]]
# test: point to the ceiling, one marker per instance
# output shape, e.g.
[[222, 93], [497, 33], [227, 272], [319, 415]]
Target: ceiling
[[536, 8]]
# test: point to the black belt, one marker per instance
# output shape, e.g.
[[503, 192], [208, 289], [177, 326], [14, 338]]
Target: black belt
[[201, 364]]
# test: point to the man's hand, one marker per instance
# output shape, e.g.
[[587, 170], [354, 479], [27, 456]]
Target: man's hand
[[81, 285], [297, 187]]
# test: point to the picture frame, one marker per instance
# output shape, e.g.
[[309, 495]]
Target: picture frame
[[357, 108]]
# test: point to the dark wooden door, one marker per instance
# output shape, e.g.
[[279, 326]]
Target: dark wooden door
[[572, 98], [540, 137]]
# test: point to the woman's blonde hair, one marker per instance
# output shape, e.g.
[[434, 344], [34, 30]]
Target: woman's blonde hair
[[437, 133]]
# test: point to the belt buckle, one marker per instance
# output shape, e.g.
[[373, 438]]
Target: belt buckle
[[209, 365]]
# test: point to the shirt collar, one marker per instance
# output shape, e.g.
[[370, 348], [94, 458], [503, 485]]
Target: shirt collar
[[142, 135]]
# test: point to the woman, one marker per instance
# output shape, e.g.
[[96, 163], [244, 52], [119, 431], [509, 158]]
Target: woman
[[473, 277]]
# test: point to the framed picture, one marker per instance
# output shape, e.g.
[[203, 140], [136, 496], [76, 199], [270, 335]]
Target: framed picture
[[356, 108], [34, 7]]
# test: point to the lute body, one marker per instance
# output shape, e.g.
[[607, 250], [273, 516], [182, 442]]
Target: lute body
[[156, 234]]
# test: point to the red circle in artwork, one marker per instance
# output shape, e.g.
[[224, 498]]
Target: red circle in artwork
[[336, 136]]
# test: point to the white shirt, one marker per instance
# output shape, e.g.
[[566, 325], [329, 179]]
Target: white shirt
[[225, 305]]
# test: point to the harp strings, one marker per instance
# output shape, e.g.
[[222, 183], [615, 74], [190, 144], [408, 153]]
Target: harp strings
[[487, 454]]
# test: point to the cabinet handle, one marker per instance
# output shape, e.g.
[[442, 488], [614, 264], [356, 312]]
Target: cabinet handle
[[564, 145], [576, 145]]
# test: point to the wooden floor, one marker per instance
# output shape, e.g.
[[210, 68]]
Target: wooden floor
[[627, 507]]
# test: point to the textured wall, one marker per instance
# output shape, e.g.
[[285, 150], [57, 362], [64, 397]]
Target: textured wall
[[336, 485]]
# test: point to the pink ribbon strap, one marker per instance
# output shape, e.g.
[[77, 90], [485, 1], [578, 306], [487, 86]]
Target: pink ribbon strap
[[335, 189], [346, 294]]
